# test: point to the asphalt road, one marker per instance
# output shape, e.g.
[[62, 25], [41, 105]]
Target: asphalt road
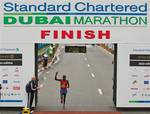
[[90, 76]]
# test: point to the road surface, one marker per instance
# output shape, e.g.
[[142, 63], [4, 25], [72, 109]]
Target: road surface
[[90, 77]]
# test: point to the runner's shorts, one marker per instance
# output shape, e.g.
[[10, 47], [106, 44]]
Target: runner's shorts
[[63, 91]]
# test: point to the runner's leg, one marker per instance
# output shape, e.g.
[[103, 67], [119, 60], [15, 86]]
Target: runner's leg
[[63, 100], [61, 97], [64, 95]]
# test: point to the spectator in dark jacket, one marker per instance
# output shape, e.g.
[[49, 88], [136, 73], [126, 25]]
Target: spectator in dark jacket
[[31, 94]]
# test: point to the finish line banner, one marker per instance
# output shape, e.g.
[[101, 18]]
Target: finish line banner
[[64, 21]]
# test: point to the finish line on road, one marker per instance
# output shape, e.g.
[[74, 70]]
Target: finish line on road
[[76, 113]]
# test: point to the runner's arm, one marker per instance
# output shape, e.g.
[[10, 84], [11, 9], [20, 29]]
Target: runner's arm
[[68, 84], [56, 77]]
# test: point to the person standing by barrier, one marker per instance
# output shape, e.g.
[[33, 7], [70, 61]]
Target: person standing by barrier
[[64, 84], [31, 89], [45, 58]]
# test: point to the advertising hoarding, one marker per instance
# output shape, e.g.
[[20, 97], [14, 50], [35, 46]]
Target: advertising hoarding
[[133, 75], [16, 69], [51, 21]]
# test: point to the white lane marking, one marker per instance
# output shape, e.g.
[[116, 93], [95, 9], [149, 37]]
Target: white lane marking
[[100, 91], [109, 53], [41, 85], [47, 72], [88, 65], [85, 59], [93, 75], [45, 78]]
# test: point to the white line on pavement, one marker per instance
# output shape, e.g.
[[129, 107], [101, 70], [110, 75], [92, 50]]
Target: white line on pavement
[[88, 65], [45, 78], [106, 51], [41, 85], [100, 91], [93, 75], [47, 72]]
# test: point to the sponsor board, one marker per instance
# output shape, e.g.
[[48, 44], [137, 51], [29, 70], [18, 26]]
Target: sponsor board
[[82, 21]]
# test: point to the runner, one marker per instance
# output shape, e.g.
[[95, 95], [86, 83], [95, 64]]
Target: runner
[[64, 84]]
